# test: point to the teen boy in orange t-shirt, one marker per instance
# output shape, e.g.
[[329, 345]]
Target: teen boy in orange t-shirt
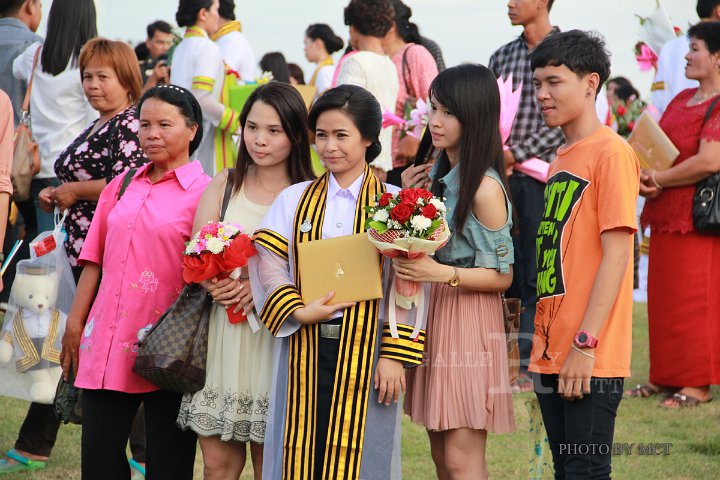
[[583, 336]]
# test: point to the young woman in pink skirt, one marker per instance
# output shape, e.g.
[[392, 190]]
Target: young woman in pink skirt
[[462, 391]]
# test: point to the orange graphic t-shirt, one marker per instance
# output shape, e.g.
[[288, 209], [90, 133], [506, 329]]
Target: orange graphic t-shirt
[[592, 187]]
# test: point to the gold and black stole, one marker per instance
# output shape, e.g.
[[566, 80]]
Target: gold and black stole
[[352, 386]]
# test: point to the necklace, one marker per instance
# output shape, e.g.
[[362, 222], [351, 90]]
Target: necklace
[[703, 97], [274, 192]]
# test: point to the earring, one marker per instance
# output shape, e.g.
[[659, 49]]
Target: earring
[[587, 94]]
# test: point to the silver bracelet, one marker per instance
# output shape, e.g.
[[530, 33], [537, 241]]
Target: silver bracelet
[[575, 347], [657, 185]]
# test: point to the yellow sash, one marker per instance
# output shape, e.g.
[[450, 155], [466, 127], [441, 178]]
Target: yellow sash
[[352, 386], [328, 61], [233, 26], [195, 31]]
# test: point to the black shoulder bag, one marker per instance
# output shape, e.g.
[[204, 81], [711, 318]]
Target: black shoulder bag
[[706, 204]]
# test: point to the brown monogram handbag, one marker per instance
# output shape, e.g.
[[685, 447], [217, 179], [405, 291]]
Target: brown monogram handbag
[[173, 354]]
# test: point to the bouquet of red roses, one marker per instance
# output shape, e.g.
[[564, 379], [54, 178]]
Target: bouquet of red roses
[[411, 224], [218, 250]]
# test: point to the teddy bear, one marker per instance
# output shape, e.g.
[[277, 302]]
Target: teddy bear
[[33, 330]]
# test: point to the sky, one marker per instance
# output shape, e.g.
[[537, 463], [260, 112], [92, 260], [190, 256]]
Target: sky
[[467, 30]]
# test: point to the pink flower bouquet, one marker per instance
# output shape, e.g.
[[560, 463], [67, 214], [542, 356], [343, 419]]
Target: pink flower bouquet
[[414, 122], [218, 249]]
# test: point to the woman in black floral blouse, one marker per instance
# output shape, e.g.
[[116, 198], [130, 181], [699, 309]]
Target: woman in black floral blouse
[[108, 147]]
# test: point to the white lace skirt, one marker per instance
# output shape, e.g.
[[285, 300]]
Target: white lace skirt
[[235, 401]]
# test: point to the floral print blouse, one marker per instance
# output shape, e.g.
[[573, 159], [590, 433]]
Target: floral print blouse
[[113, 149]]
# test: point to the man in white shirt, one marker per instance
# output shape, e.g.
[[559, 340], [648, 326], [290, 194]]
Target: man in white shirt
[[670, 77], [234, 46]]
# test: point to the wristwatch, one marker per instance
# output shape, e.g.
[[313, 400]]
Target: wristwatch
[[583, 339], [455, 280]]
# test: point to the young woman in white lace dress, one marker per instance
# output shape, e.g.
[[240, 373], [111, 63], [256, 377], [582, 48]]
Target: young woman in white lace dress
[[231, 410]]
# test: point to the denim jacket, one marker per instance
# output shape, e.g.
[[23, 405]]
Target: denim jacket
[[478, 245]]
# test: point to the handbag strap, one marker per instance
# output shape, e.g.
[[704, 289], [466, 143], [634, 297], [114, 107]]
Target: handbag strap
[[125, 182], [26, 100], [227, 194], [406, 73], [710, 109]]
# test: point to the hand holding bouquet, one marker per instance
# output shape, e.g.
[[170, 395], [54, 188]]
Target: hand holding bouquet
[[218, 250], [411, 224]]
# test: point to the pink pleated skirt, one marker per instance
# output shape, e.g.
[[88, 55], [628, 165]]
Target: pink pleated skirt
[[463, 381]]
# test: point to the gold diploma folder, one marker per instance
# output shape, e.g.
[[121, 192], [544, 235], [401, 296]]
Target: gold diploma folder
[[653, 148], [349, 266]]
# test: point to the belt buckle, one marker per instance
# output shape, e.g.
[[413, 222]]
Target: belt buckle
[[330, 331]]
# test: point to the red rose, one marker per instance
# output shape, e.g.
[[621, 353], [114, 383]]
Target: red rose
[[630, 126], [409, 196], [621, 110], [385, 199], [425, 194], [401, 213], [429, 211]]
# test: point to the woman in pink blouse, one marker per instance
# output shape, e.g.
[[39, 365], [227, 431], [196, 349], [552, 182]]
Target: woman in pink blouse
[[133, 259], [416, 69]]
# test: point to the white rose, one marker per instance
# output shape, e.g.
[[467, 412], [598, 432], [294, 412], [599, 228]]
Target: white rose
[[438, 204], [215, 245], [381, 215], [420, 223]]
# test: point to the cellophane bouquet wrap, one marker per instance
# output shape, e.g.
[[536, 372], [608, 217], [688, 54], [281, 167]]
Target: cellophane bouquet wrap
[[410, 224], [219, 249]]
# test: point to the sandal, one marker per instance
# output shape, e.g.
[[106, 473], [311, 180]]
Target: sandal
[[680, 400], [137, 470], [19, 463], [645, 391]]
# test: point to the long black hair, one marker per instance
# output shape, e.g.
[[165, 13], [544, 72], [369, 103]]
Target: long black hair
[[290, 107], [360, 105], [71, 23], [185, 102], [332, 42], [471, 94]]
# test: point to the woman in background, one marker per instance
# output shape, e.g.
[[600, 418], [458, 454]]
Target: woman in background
[[59, 110], [198, 66], [416, 68], [369, 21], [320, 43], [275, 63], [684, 268]]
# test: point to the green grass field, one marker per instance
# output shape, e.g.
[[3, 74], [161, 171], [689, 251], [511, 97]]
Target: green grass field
[[694, 435]]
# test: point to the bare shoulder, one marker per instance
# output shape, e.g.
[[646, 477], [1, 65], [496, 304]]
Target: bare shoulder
[[490, 207]]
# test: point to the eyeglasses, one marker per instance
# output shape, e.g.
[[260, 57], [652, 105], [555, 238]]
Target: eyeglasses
[[167, 42]]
